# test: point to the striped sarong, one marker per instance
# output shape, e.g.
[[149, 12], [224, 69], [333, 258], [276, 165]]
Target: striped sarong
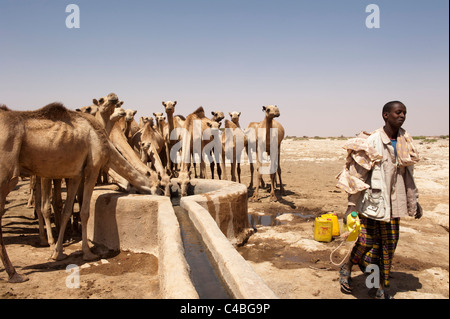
[[376, 244]]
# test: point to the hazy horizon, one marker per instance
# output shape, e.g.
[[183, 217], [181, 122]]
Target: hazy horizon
[[328, 73]]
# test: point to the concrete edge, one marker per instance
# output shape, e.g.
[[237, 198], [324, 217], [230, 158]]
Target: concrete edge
[[174, 271], [240, 277]]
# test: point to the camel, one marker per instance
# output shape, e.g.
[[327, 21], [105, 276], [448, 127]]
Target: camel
[[173, 122], [271, 112], [237, 148], [128, 125], [189, 142], [218, 116], [160, 120], [150, 142], [42, 143]]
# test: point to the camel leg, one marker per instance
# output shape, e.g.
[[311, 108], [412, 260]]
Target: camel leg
[[279, 175], [57, 202], [72, 188], [211, 166], [30, 202], [219, 170], [233, 171], [255, 196], [46, 187], [273, 198], [250, 186], [84, 214], [38, 211], [5, 187], [238, 168]]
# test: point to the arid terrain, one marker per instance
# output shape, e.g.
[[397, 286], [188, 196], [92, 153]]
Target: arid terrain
[[282, 251]]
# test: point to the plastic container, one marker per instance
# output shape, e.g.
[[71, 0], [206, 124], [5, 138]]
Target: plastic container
[[323, 229], [333, 217], [353, 226]]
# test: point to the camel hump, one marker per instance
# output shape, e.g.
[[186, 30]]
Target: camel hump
[[3, 107], [200, 112], [54, 110]]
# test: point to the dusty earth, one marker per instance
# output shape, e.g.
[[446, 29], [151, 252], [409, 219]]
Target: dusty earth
[[282, 251]]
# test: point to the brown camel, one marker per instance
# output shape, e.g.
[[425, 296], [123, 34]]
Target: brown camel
[[42, 143], [266, 125], [236, 146], [152, 148]]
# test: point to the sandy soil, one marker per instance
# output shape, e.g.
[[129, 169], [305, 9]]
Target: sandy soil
[[282, 251]]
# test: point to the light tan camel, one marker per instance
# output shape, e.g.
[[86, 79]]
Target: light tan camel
[[271, 112], [160, 120], [173, 122], [188, 146], [236, 146], [128, 125], [41, 143], [218, 116]]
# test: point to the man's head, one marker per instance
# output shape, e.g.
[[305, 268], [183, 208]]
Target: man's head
[[394, 114]]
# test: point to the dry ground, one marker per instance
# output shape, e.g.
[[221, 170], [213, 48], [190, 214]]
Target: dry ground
[[282, 251]]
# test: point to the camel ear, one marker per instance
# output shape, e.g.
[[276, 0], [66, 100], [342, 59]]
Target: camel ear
[[154, 114], [95, 101], [209, 124], [164, 103], [212, 113], [134, 112], [174, 103], [239, 114], [120, 103], [264, 108], [230, 114]]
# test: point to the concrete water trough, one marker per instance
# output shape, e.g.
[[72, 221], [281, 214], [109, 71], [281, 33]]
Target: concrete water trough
[[217, 210]]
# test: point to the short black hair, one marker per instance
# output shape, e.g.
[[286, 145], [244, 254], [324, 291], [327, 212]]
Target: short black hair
[[389, 105]]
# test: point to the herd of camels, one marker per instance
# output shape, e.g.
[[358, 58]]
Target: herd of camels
[[104, 140]]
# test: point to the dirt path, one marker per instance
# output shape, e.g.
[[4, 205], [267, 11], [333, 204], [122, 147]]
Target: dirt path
[[282, 251]]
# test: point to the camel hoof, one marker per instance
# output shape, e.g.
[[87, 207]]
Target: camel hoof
[[16, 278], [58, 256], [89, 256], [254, 199]]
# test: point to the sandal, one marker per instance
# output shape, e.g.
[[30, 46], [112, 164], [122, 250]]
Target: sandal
[[345, 281]]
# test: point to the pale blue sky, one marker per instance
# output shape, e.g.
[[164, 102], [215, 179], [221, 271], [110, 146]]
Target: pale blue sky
[[327, 72]]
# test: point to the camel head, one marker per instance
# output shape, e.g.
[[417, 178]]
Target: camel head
[[217, 116], [165, 183], [159, 117], [213, 125], [91, 109], [117, 114], [234, 116], [184, 178], [110, 100], [169, 106], [106, 106], [271, 111], [129, 115]]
